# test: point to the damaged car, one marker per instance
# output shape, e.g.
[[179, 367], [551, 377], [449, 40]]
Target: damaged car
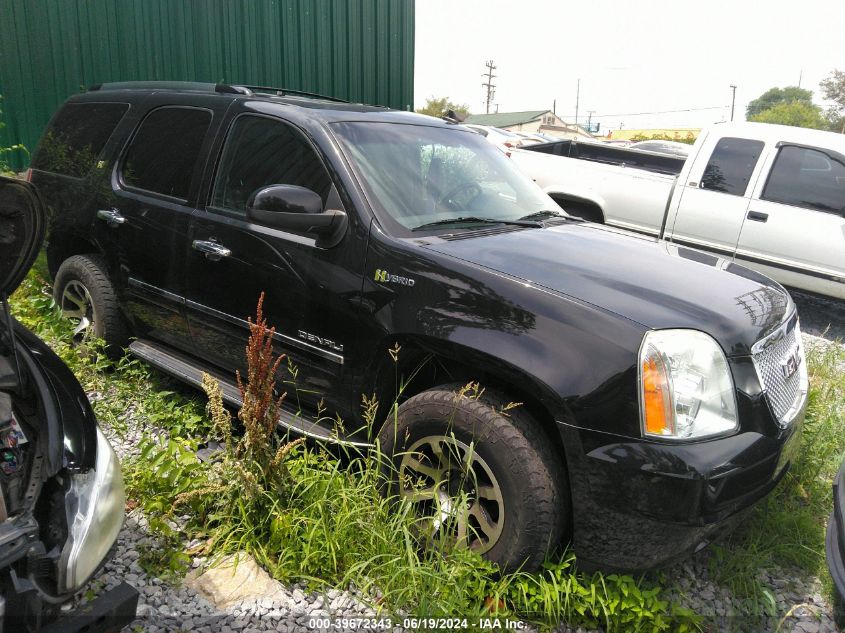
[[61, 488]]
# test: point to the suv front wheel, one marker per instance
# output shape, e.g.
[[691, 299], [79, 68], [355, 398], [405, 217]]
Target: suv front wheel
[[479, 474], [87, 299]]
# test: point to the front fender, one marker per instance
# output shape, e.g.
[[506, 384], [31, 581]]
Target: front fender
[[70, 420], [576, 358]]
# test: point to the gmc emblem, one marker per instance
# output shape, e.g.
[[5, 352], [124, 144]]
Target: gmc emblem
[[791, 363]]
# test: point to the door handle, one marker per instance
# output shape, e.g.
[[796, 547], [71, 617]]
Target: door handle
[[757, 216], [111, 217], [212, 250]]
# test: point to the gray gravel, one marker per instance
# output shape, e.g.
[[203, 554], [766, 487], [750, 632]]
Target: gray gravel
[[799, 602], [820, 316], [163, 607], [167, 608]]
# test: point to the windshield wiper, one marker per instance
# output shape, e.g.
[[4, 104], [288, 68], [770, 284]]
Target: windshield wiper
[[472, 218], [544, 214]]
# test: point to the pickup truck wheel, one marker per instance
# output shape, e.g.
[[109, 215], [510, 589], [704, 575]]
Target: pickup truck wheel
[[87, 299], [478, 476]]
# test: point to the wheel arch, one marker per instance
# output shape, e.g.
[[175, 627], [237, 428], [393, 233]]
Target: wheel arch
[[423, 363], [585, 207], [64, 245]]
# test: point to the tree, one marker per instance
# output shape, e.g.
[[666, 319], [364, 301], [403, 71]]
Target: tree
[[439, 107], [774, 96], [833, 89], [795, 113]]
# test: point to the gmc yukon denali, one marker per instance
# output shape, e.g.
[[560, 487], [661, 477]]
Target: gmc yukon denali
[[660, 390]]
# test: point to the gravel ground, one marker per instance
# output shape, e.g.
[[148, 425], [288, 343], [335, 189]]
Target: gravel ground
[[165, 608], [820, 316], [800, 604]]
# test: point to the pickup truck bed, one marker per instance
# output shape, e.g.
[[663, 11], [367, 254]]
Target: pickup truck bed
[[610, 155], [620, 187]]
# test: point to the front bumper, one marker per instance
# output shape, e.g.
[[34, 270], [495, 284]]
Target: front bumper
[[641, 505], [108, 613], [835, 540]]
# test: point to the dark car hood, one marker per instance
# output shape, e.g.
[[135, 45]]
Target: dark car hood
[[21, 231], [656, 284]]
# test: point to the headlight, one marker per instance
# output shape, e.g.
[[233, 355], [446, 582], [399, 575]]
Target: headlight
[[686, 388], [95, 504]]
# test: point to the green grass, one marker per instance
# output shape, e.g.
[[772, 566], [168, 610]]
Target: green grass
[[787, 529]]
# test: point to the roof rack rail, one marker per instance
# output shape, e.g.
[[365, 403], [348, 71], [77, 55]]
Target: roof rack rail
[[281, 92], [238, 90], [194, 86]]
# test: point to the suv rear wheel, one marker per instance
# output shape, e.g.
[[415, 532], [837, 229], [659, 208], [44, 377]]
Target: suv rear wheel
[[479, 475], [86, 297]]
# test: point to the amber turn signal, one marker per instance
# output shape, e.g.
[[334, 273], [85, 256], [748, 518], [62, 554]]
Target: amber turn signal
[[657, 410]]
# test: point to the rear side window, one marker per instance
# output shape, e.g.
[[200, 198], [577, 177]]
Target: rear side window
[[804, 177], [76, 136], [731, 165], [261, 152], [163, 154]]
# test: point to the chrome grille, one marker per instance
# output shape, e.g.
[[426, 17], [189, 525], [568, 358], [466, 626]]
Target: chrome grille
[[772, 357]]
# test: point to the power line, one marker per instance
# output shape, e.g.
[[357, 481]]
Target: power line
[[599, 116]]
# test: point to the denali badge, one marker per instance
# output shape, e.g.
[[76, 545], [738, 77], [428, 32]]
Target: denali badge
[[319, 340], [384, 277], [790, 364]]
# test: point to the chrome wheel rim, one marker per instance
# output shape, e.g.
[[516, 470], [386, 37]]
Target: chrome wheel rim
[[78, 306], [454, 492]]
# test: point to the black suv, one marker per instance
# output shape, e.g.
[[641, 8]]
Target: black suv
[[662, 390]]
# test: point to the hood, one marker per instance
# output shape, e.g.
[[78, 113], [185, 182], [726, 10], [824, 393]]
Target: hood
[[657, 284], [21, 231], [21, 234]]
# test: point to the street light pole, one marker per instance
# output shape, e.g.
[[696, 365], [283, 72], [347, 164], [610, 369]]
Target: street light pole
[[733, 100]]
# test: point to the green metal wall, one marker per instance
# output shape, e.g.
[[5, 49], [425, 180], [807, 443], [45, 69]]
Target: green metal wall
[[360, 50]]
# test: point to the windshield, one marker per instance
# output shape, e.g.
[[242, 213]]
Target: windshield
[[418, 175]]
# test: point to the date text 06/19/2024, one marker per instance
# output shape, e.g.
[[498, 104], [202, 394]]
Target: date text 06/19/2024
[[414, 624]]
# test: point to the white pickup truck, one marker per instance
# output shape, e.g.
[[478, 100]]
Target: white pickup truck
[[770, 197]]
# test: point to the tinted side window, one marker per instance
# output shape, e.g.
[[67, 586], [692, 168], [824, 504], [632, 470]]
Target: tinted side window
[[731, 165], [804, 177], [164, 151], [260, 152], [76, 137]]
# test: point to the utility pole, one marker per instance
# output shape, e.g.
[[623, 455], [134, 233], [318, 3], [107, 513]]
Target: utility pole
[[733, 100], [589, 118], [491, 87], [577, 99]]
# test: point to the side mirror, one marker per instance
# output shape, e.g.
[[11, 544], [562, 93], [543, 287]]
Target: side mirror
[[293, 208]]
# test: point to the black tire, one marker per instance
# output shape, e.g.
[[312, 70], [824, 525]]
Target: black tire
[[509, 445], [82, 274]]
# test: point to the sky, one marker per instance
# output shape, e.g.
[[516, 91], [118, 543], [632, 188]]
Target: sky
[[638, 62]]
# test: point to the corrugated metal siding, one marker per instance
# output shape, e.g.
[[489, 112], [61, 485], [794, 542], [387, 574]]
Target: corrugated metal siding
[[360, 50]]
